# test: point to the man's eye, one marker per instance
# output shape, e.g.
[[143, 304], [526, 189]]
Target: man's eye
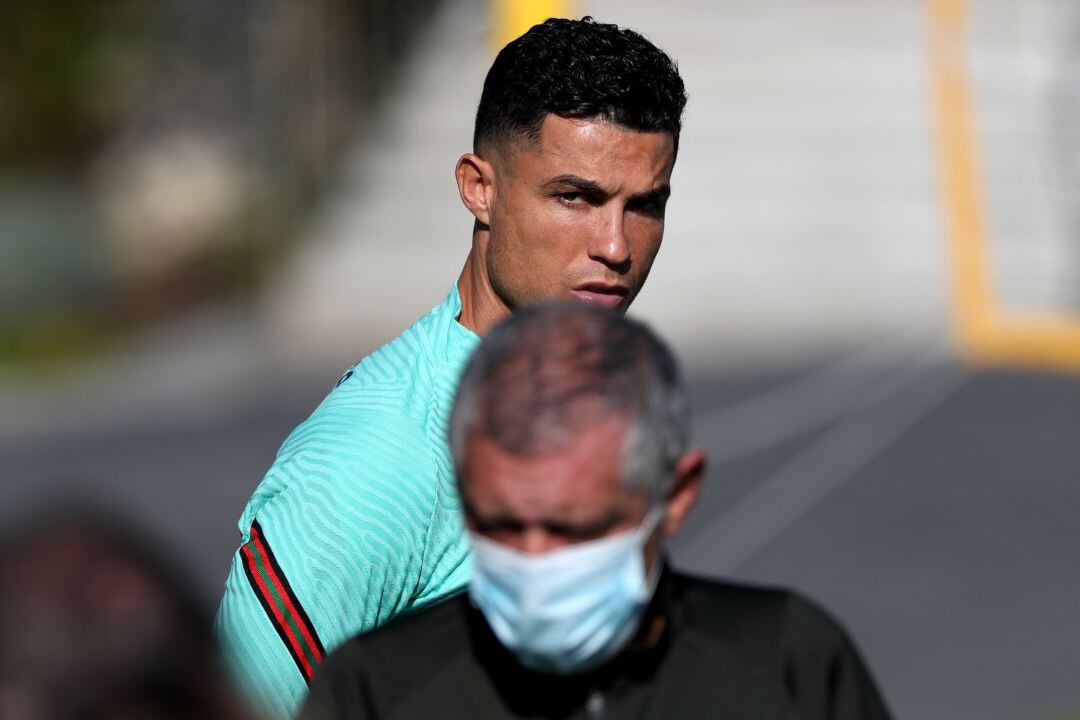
[[579, 534], [570, 197], [586, 534], [653, 207], [496, 527]]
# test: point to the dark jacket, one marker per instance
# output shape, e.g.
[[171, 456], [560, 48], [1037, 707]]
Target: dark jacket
[[727, 651]]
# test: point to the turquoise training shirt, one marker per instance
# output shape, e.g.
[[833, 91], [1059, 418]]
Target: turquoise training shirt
[[356, 521]]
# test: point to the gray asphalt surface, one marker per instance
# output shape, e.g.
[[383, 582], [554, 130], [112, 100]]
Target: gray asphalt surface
[[932, 509]]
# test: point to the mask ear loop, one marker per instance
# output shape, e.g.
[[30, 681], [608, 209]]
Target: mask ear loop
[[647, 528]]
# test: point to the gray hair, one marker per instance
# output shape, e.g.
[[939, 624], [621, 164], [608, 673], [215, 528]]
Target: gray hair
[[549, 370]]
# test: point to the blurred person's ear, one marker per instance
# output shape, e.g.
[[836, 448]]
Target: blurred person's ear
[[476, 182], [685, 488]]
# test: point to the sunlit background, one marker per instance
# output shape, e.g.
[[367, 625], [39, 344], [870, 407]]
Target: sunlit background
[[871, 269]]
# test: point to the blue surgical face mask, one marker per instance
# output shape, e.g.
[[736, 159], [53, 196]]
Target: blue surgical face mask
[[570, 609]]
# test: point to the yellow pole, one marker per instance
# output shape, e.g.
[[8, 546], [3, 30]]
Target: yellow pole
[[974, 312], [1050, 343], [511, 18]]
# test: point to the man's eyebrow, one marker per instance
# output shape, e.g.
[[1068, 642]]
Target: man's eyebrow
[[580, 184], [662, 192], [602, 522]]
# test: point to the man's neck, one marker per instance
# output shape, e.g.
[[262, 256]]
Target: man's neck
[[481, 307]]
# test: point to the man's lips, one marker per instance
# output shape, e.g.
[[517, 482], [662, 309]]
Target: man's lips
[[601, 293]]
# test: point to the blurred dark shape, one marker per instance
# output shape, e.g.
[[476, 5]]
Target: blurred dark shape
[[52, 59], [92, 625]]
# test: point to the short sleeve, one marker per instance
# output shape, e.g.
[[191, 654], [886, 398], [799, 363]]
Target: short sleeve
[[335, 550]]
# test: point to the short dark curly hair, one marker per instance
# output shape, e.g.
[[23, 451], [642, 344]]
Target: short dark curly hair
[[578, 69]]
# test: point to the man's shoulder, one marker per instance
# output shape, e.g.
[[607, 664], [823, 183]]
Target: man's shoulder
[[410, 646], [402, 368], [762, 620], [373, 459], [397, 387], [784, 634], [383, 672], [405, 379], [701, 597], [378, 428]]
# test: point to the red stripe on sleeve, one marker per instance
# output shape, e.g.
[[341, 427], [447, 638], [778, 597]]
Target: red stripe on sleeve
[[279, 585], [275, 609]]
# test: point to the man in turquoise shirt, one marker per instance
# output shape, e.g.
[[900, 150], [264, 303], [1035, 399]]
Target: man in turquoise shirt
[[358, 518]]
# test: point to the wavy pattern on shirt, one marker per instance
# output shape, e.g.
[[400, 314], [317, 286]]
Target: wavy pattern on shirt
[[360, 509]]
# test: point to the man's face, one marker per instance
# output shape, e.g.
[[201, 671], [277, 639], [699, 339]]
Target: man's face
[[536, 504], [580, 213]]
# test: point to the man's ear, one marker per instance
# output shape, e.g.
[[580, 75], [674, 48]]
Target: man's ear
[[685, 488], [476, 182]]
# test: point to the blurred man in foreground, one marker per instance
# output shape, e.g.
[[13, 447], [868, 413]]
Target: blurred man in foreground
[[92, 628], [358, 519], [570, 434]]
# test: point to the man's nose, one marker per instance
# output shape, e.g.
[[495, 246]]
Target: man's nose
[[609, 245], [535, 541]]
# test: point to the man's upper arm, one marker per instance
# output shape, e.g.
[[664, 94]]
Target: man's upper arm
[[262, 666], [334, 551]]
